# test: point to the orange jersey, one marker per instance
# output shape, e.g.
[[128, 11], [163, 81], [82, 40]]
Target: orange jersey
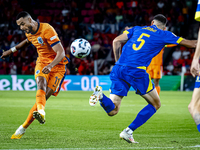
[[44, 39], [155, 67], [157, 60]]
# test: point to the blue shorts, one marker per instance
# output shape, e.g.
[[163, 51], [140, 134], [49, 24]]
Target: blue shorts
[[197, 82], [123, 77]]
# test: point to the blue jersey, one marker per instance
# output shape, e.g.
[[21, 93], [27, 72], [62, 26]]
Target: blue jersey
[[197, 82], [143, 44]]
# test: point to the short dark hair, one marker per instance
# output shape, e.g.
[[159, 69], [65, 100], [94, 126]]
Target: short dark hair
[[160, 18], [22, 14]]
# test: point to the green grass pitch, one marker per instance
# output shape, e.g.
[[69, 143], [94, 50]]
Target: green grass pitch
[[72, 124]]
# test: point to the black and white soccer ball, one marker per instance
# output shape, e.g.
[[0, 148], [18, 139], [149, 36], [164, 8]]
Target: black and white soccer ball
[[80, 48]]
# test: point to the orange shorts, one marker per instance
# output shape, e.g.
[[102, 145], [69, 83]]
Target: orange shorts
[[53, 78], [155, 71]]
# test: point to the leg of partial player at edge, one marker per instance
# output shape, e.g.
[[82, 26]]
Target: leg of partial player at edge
[[197, 120], [37, 107], [195, 113], [196, 117], [194, 107]]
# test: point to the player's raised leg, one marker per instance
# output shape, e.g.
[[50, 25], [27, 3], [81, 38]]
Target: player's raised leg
[[96, 96], [194, 107], [119, 88], [40, 99], [111, 106], [21, 130], [39, 114], [105, 102]]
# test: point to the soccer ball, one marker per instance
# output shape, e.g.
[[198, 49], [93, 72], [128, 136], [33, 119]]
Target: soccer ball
[[80, 48]]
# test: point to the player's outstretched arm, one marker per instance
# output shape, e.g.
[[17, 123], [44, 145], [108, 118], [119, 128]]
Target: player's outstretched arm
[[14, 49], [194, 69], [189, 43], [58, 48], [117, 44]]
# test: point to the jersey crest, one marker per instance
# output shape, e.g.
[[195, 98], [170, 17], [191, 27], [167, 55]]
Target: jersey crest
[[40, 41]]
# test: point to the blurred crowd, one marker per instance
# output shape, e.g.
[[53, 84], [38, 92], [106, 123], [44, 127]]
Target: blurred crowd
[[181, 57], [99, 22]]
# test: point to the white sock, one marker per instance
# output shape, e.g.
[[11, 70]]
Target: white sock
[[129, 131], [41, 111], [101, 96], [20, 130]]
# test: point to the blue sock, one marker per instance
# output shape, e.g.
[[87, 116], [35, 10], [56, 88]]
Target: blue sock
[[142, 116], [198, 127], [107, 104]]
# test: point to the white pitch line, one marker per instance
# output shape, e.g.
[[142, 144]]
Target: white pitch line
[[109, 148]]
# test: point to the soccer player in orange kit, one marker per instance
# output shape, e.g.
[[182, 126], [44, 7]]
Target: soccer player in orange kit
[[50, 65], [156, 67]]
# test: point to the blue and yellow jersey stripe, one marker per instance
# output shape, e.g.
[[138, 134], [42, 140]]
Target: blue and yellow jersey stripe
[[197, 14], [179, 40], [126, 32]]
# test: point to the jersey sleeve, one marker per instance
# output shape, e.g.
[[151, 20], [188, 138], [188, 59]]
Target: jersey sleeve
[[197, 13], [51, 36], [171, 45], [129, 32], [171, 38]]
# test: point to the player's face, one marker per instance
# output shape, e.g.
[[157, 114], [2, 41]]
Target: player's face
[[25, 24]]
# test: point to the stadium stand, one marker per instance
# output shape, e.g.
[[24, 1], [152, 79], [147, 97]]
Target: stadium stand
[[99, 23]]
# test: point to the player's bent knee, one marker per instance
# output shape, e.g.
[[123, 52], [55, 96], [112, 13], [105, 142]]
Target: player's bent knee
[[49, 93], [112, 113], [157, 105]]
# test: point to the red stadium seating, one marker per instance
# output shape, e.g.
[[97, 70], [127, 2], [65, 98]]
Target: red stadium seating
[[88, 5], [83, 12]]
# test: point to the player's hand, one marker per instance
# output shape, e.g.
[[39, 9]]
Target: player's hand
[[194, 70], [6, 53], [47, 69]]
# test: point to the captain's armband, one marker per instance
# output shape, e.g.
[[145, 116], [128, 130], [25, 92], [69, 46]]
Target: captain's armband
[[13, 49]]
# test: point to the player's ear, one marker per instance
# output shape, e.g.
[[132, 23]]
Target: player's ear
[[29, 19], [152, 22]]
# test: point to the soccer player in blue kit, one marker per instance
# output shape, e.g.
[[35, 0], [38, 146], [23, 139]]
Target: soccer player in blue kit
[[194, 106], [142, 44]]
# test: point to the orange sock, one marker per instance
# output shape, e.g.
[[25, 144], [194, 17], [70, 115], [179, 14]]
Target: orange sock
[[158, 89], [40, 99], [30, 118]]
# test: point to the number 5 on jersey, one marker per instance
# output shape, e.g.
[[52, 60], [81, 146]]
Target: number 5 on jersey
[[140, 40]]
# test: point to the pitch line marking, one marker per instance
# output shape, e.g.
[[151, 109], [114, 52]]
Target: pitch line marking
[[109, 148]]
